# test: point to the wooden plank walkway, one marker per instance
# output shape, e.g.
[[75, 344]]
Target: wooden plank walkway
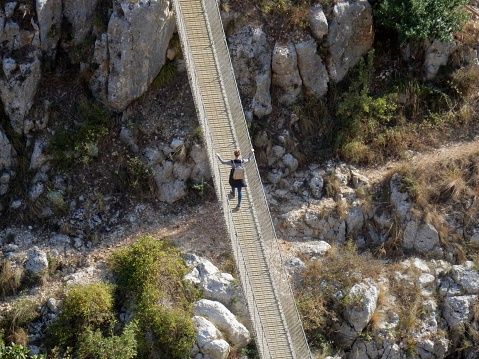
[[274, 316]]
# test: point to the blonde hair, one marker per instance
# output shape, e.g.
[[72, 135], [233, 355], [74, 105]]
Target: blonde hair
[[237, 153]]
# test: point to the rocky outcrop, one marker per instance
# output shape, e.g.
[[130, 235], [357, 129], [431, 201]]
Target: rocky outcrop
[[318, 22], [79, 14], [18, 87], [133, 52], [361, 302], [37, 261], [350, 36], [312, 69], [251, 57], [437, 55], [6, 152], [224, 320], [209, 341], [217, 286], [49, 17], [286, 73]]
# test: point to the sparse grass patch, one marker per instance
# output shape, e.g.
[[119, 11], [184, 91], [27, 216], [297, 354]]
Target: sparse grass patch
[[324, 283], [166, 75], [16, 320], [134, 175], [10, 278], [80, 141]]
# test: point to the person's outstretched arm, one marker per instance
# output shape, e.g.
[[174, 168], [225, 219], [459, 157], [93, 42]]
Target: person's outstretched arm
[[249, 156], [223, 161]]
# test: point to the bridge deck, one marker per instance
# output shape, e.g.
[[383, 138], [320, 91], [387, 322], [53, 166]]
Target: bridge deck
[[274, 317]]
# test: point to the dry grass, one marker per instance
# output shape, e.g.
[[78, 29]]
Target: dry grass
[[15, 321], [10, 278], [319, 300]]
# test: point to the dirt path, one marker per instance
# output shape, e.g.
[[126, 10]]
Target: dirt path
[[420, 160]]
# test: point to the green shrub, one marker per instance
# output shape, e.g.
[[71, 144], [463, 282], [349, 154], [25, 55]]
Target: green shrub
[[80, 141], [94, 345], [16, 351], [362, 116], [86, 307], [149, 278], [422, 19], [134, 175]]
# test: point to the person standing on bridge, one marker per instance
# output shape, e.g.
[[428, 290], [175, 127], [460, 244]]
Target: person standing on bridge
[[236, 183]]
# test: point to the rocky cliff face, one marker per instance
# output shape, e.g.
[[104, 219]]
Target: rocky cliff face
[[58, 56], [121, 48]]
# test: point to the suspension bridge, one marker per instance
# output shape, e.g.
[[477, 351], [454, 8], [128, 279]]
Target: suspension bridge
[[274, 317]]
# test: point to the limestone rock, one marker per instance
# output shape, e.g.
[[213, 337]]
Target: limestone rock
[[18, 89], [361, 305], [164, 174], [427, 238], [312, 69], [172, 191], [286, 73], [316, 184], [15, 37], [182, 171], [399, 198], [219, 286], [313, 248], [350, 36], [290, 162], [138, 37], [224, 320], [49, 17], [198, 154], [318, 22], [363, 349], [467, 278], [209, 341], [79, 14], [37, 260], [251, 57], [6, 152], [128, 139], [38, 156], [437, 55], [201, 171], [458, 310]]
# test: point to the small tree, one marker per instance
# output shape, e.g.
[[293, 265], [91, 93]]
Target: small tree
[[422, 19]]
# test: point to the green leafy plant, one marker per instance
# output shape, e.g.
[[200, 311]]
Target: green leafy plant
[[422, 19], [166, 74], [80, 141], [149, 276], [17, 351], [95, 345], [362, 116], [85, 307], [134, 175]]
